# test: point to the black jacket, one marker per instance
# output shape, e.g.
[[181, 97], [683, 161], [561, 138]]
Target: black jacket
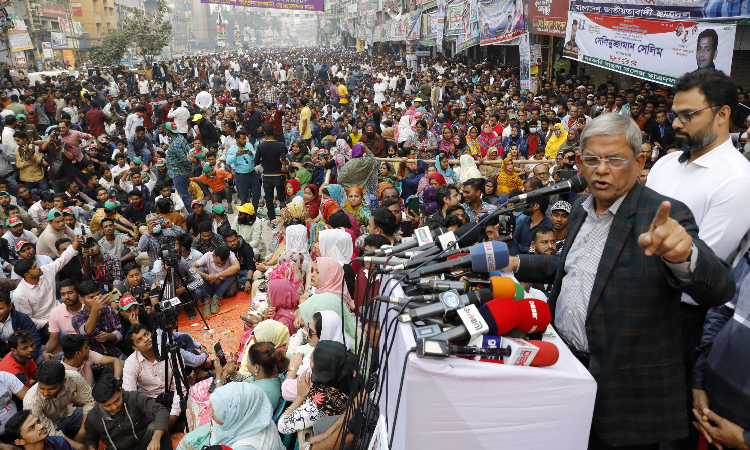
[[209, 135], [21, 322], [128, 426]]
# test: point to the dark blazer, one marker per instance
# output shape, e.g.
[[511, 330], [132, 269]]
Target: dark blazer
[[654, 135], [21, 322], [633, 321]]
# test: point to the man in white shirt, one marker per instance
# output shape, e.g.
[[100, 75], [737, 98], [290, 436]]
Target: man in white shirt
[[143, 88], [35, 295], [8, 132], [244, 89], [713, 179], [203, 100], [181, 116], [134, 120], [39, 210]]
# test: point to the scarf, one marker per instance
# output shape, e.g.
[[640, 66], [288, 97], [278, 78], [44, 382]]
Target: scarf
[[491, 171], [554, 142], [473, 144], [284, 297], [382, 186], [509, 179], [487, 140], [331, 330], [437, 176], [336, 192], [362, 213], [344, 154], [331, 377], [267, 331], [329, 207], [332, 280], [304, 176], [296, 238], [336, 244], [244, 411], [295, 186], [313, 206], [448, 174], [517, 140], [295, 208], [361, 172], [290, 271], [468, 169]]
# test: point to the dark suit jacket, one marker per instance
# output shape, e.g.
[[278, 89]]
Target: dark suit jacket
[[21, 322], [633, 321], [654, 135]]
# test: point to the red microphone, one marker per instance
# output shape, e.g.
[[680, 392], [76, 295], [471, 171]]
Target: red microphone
[[547, 355], [535, 315]]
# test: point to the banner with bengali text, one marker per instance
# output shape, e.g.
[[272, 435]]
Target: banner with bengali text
[[300, 5], [548, 16], [664, 9], [654, 50], [455, 12], [500, 20]]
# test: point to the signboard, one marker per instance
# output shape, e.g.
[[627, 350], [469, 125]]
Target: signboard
[[414, 25], [76, 9], [53, 11], [19, 40], [19, 59], [454, 12], [470, 35], [524, 53], [69, 57], [58, 39], [664, 9], [548, 16], [360, 45], [500, 20], [302, 5], [440, 25], [47, 50], [654, 50], [536, 55]]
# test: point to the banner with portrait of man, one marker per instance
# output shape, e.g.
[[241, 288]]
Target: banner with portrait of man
[[655, 50]]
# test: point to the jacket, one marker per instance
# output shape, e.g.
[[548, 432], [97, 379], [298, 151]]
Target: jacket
[[633, 321], [125, 429], [22, 322], [654, 135]]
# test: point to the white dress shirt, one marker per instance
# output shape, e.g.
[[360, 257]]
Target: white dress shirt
[[203, 100], [716, 188]]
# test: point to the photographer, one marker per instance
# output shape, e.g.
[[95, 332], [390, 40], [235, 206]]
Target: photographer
[[144, 373], [134, 284], [58, 174], [101, 267], [97, 320], [195, 289]]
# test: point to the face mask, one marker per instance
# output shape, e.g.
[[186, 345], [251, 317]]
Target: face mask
[[589, 102], [532, 130], [558, 132], [370, 133]]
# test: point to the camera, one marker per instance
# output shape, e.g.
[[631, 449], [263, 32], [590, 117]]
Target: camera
[[165, 313], [169, 254]]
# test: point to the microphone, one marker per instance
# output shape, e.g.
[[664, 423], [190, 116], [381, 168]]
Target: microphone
[[399, 301], [387, 260], [501, 316], [575, 184], [466, 350], [408, 245], [483, 257], [449, 301], [535, 315], [420, 257], [547, 355]]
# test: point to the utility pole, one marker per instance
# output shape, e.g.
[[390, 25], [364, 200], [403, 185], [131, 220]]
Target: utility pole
[[74, 36]]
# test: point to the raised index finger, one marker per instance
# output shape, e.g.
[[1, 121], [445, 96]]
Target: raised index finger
[[662, 215]]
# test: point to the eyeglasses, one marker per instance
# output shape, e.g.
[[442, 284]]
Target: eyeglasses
[[310, 332], [614, 163], [687, 117]]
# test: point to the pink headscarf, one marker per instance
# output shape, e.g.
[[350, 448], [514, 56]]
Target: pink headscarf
[[283, 296], [331, 276], [289, 271]]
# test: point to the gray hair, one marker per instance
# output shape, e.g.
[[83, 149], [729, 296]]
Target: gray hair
[[612, 124]]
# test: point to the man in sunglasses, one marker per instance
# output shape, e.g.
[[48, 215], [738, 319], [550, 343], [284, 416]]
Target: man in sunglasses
[[629, 255]]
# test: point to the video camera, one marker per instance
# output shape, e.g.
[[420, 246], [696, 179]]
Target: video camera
[[169, 254]]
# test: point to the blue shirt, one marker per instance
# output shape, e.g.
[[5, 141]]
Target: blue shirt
[[524, 233], [244, 163]]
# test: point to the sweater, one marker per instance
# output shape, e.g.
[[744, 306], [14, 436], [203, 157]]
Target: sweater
[[125, 429], [46, 243]]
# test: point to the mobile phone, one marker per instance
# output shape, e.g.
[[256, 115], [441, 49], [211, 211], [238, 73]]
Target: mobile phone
[[220, 354], [412, 206]]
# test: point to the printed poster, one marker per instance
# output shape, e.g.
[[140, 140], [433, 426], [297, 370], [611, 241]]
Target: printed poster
[[665, 9], [548, 17], [654, 50], [500, 20]]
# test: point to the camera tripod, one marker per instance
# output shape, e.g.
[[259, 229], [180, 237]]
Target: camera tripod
[[169, 282]]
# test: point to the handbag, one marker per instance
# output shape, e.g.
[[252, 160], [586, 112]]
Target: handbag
[[56, 169]]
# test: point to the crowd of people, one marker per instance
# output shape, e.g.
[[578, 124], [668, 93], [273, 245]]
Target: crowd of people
[[268, 172]]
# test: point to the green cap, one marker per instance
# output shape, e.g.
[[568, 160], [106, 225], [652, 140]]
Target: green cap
[[137, 160], [111, 204], [218, 208], [20, 117], [52, 214], [4, 193], [206, 168]]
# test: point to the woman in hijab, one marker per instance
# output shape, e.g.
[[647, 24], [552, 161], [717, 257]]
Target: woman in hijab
[[515, 138], [472, 144], [459, 146], [304, 177], [311, 197], [267, 331], [446, 142], [490, 170], [373, 141], [571, 142], [423, 141], [328, 278], [336, 193], [559, 135], [430, 204], [334, 244], [405, 130], [490, 194], [344, 152], [488, 139], [387, 175], [468, 168], [332, 373], [425, 181], [283, 297], [242, 418], [444, 169], [298, 158], [321, 319], [361, 171], [355, 206], [508, 178], [413, 173]]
